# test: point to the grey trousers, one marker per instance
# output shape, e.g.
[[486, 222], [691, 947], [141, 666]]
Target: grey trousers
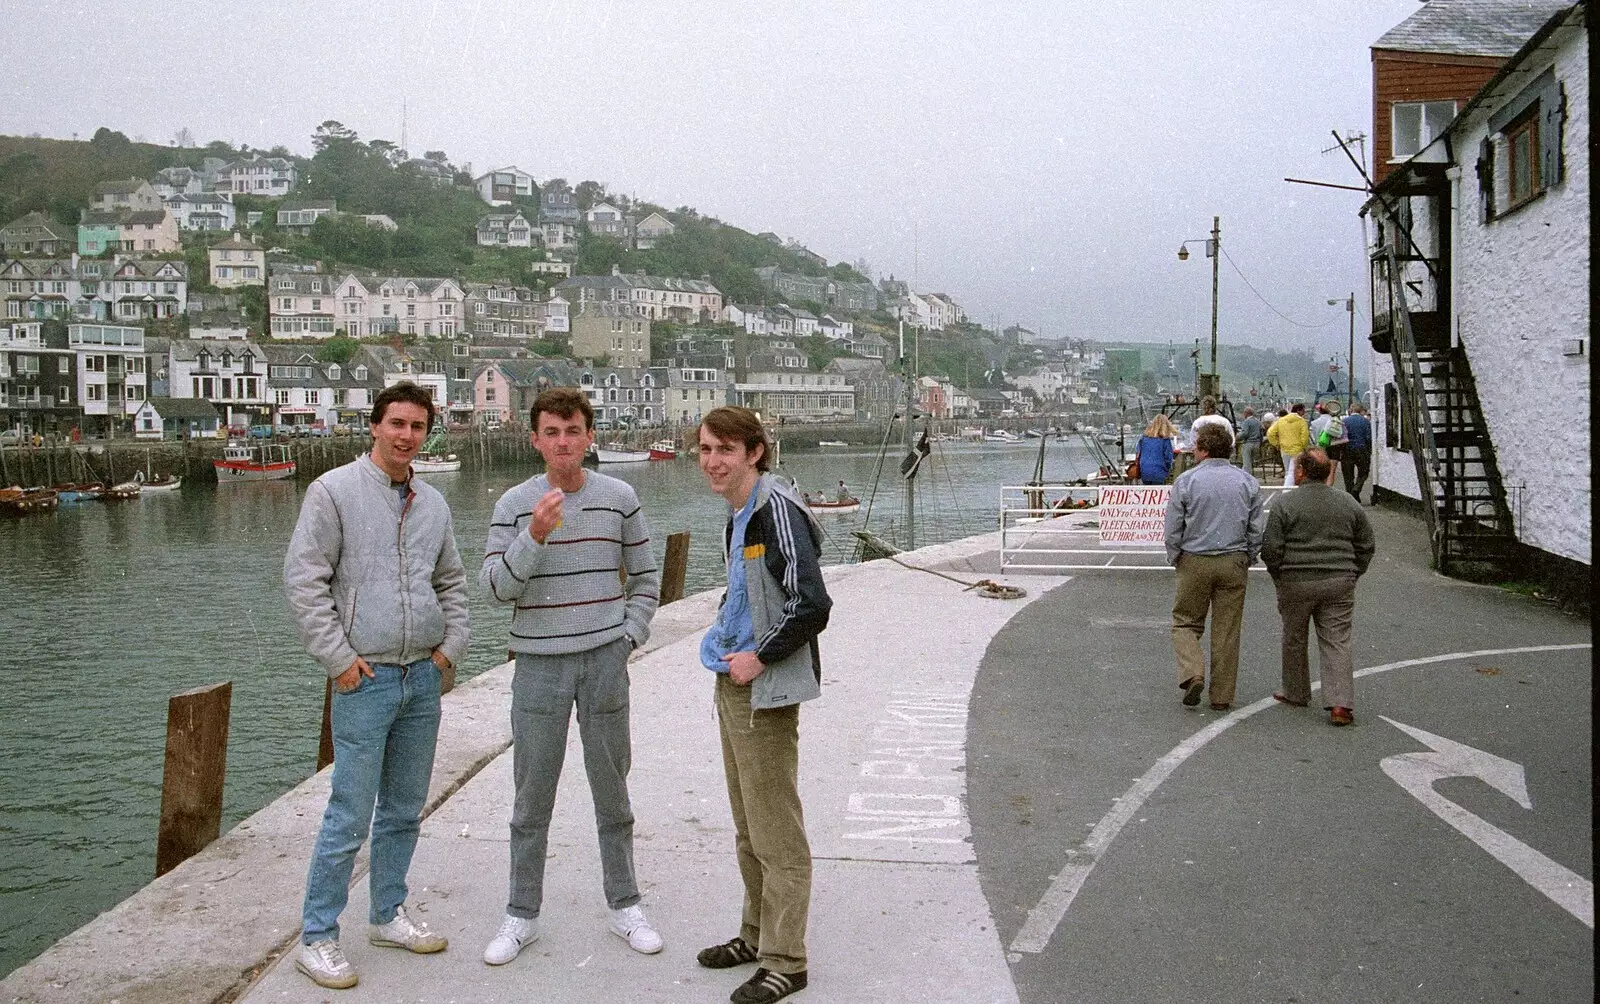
[[543, 691], [1213, 583], [1329, 602]]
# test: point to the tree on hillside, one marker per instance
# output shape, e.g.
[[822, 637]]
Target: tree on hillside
[[338, 349], [588, 193]]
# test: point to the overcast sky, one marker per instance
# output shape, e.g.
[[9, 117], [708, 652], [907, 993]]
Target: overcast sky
[[1040, 162]]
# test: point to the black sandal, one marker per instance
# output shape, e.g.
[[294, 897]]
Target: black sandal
[[727, 955], [767, 986]]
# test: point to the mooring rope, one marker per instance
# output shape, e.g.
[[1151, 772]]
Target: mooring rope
[[987, 588]]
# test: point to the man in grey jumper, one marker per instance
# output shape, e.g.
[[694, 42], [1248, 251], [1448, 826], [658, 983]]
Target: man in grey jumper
[[557, 546], [1214, 525], [1318, 542]]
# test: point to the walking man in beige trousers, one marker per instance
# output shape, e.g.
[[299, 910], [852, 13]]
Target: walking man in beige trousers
[[1214, 528]]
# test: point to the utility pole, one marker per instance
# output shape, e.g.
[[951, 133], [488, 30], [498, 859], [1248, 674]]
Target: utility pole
[[909, 436], [1350, 357], [1216, 257]]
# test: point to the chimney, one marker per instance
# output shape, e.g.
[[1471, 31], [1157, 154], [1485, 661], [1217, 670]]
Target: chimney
[[616, 270]]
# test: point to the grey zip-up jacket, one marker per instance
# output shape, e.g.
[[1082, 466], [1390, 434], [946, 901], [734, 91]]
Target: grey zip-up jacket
[[368, 575], [788, 602]]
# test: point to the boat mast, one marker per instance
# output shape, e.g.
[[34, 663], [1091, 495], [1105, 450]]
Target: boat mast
[[911, 489]]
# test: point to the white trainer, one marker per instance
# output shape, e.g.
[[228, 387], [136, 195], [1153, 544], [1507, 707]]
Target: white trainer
[[325, 963], [515, 933], [403, 932], [630, 925]]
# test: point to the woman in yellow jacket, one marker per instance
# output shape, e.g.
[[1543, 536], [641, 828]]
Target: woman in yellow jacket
[[1290, 435]]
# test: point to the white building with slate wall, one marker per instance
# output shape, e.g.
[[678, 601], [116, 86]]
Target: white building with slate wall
[[1519, 286]]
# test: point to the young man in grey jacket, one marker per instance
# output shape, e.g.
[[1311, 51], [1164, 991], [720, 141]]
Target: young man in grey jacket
[[555, 547], [379, 595], [763, 648]]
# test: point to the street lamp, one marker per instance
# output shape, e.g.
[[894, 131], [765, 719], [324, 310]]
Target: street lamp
[[1350, 358], [1210, 383]]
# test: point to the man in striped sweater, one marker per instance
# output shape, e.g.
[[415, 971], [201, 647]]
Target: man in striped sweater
[[557, 547]]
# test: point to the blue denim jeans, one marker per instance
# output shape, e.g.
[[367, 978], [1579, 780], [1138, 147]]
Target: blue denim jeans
[[384, 733]]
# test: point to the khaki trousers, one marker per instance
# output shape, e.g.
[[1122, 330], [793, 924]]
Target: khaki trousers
[[761, 757], [1330, 602], [1214, 583]]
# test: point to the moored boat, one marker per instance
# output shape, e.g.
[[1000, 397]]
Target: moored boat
[[246, 462], [159, 483], [124, 492], [663, 449], [436, 463], [84, 492], [22, 501], [616, 453], [832, 442], [820, 504]]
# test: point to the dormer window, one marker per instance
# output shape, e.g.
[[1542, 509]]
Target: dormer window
[[204, 360], [334, 371]]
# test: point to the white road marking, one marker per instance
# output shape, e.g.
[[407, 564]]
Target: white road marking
[[1416, 773], [1047, 914]]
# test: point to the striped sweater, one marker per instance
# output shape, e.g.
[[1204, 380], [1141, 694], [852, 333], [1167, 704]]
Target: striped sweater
[[565, 592]]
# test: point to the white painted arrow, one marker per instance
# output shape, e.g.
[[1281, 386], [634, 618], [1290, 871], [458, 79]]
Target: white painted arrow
[[1417, 772]]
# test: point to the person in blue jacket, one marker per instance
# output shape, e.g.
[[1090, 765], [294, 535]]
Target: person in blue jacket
[[1155, 451]]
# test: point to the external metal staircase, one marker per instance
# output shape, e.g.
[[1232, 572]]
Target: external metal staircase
[[1469, 519]]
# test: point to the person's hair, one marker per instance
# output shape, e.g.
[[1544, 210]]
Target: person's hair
[[1160, 427], [1215, 440], [1316, 465], [732, 423], [405, 391], [1358, 408], [563, 403], [1299, 408], [1208, 405], [1248, 412]]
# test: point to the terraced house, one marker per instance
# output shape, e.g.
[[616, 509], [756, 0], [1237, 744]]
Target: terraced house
[[375, 305], [684, 301], [130, 289]]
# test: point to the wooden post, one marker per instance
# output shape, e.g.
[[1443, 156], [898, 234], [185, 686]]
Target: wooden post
[[675, 567], [191, 780], [325, 743]]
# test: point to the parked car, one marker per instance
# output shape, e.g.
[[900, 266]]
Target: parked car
[[261, 432], [10, 437]]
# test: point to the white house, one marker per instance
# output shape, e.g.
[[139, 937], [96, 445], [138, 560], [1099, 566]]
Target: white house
[[374, 305], [112, 378], [272, 176], [1500, 203], [230, 374], [237, 262], [503, 185], [652, 229], [509, 230], [201, 210]]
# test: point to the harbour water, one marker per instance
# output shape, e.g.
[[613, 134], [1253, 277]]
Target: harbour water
[[108, 610]]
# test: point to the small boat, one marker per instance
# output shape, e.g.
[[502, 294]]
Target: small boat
[[616, 453], [124, 492], [1001, 436], [16, 501], [84, 492], [663, 449], [435, 463], [246, 462], [971, 432], [819, 504], [832, 442], [159, 483]]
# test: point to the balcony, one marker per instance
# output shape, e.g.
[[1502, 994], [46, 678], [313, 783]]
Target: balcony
[[1426, 300]]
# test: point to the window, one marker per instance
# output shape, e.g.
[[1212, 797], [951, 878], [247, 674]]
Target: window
[[1416, 123], [488, 394], [281, 396], [63, 397], [1522, 155], [286, 303], [94, 392], [333, 371]]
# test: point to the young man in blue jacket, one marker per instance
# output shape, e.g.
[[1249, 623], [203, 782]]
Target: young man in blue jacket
[[763, 648], [379, 595]]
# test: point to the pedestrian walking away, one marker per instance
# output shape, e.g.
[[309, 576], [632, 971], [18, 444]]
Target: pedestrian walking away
[[1290, 436], [763, 649], [1248, 440], [1328, 432], [1155, 451], [1214, 525], [1317, 543], [1357, 463], [557, 545], [1208, 416], [379, 595]]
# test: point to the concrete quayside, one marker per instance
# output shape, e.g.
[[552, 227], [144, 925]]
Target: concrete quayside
[[1006, 802]]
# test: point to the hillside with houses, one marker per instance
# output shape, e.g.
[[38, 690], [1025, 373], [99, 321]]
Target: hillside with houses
[[286, 292]]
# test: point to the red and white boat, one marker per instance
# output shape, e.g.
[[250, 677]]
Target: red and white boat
[[248, 462], [663, 449], [616, 453]]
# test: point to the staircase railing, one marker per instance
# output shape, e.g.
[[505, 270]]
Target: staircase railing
[[1408, 380]]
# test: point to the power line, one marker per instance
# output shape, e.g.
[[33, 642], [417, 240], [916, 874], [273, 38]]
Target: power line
[[1275, 310]]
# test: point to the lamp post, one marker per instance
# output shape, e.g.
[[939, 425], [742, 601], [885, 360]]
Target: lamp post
[[1210, 383], [1350, 358]]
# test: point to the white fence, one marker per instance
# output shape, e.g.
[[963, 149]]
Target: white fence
[[1064, 527]]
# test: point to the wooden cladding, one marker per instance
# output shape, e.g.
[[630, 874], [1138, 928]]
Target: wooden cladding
[[1419, 76]]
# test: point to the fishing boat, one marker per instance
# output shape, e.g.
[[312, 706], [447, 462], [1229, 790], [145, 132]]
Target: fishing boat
[[663, 449], [432, 459], [247, 462], [616, 453], [127, 491], [159, 483], [87, 491], [1001, 436], [836, 506], [22, 501]]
